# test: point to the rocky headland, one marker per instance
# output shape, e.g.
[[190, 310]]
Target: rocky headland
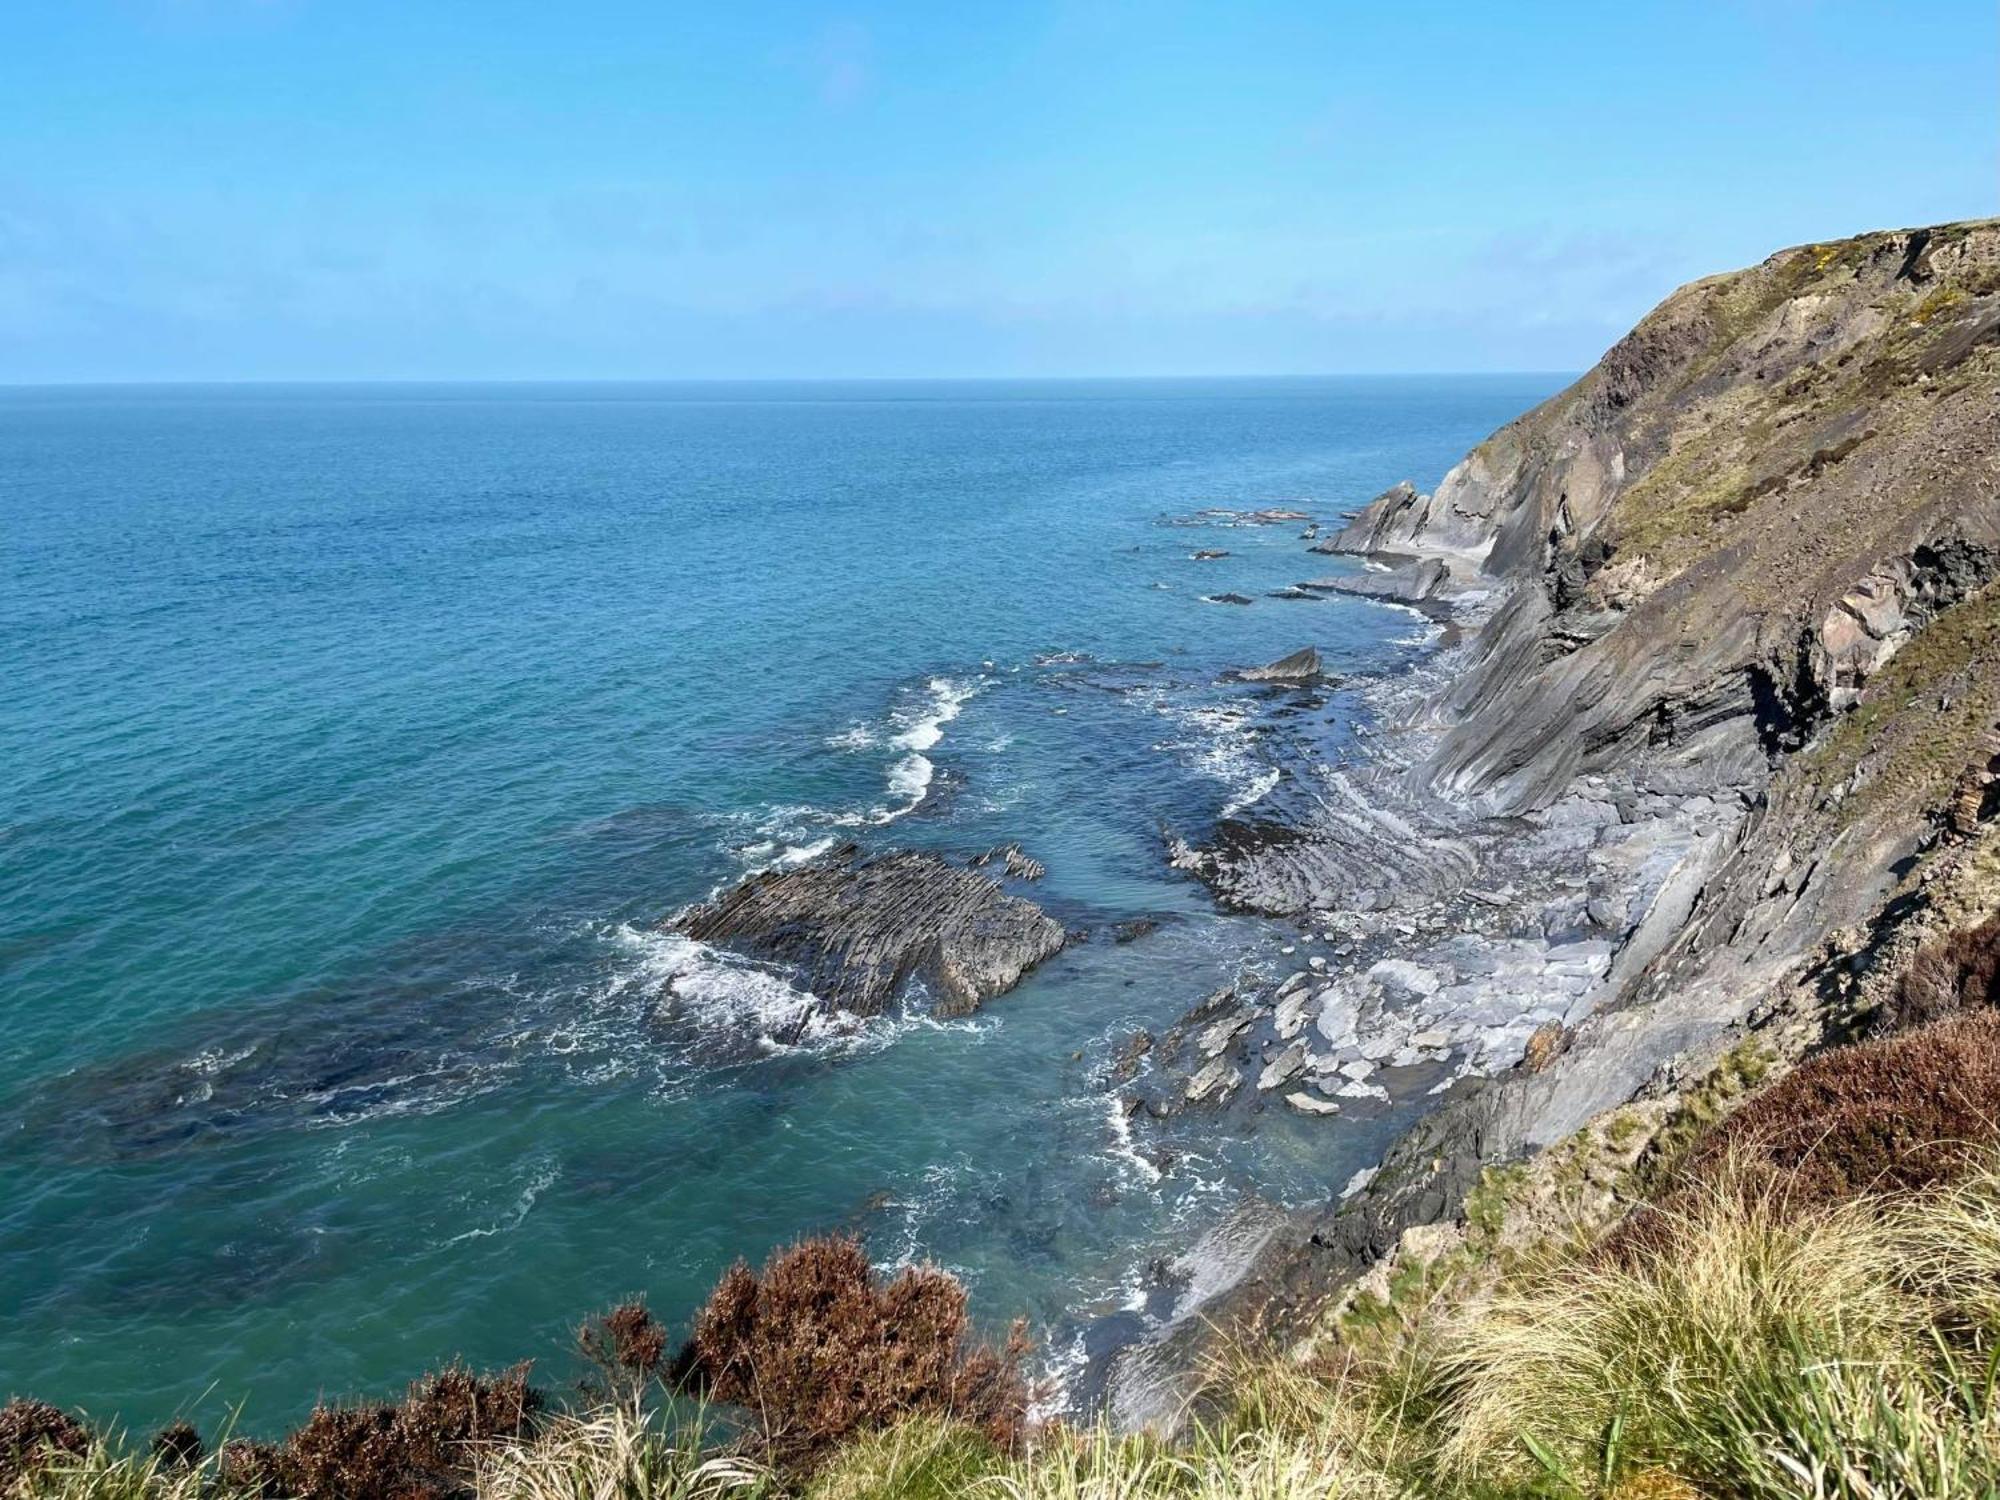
[[1716, 750]]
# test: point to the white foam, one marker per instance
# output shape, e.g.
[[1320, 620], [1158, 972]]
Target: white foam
[[913, 729], [1050, 1396], [1222, 744], [523, 1205], [947, 701], [797, 854], [910, 779], [1122, 1147], [943, 1185], [1254, 792], [720, 989]]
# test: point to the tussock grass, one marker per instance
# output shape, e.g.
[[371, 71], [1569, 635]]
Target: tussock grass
[[1606, 1366], [107, 1472], [617, 1453]]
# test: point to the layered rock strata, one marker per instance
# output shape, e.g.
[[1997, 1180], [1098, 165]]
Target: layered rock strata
[[859, 932], [1735, 685]]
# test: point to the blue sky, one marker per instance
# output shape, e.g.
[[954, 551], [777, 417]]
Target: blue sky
[[357, 189]]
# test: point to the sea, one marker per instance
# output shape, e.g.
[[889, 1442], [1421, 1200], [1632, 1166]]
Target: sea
[[356, 742]]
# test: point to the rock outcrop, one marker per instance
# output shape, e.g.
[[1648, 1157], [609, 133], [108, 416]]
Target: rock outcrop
[[1301, 666], [861, 931], [1412, 582]]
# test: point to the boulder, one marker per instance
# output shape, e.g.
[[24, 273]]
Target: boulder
[[858, 930], [1302, 665], [1283, 1068]]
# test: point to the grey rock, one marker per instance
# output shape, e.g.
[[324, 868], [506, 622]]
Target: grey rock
[[1011, 859], [1308, 1104], [1301, 666], [1411, 583], [1217, 1081], [1283, 1068], [859, 930]]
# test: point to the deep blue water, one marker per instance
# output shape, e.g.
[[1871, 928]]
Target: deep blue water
[[353, 738]]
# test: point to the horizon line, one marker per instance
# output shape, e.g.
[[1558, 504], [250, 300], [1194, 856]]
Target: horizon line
[[745, 380]]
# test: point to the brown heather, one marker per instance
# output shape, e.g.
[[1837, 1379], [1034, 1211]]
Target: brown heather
[[32, 1433], [423, 1448], [815, 1349], [625, 1347], [1957, 973], [1891, 1116]]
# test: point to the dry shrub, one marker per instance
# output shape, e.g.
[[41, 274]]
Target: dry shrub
[[250, 1467], [1887, 1117], [177, 1446], [625, 1345], [423, 1448], [815, 1350], [1956, 973], [32, 1433]]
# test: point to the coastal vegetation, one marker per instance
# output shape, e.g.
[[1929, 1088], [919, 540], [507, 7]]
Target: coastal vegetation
[[1787, 1287]]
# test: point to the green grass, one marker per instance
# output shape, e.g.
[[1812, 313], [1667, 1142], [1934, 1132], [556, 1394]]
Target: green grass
[[1916, 743]]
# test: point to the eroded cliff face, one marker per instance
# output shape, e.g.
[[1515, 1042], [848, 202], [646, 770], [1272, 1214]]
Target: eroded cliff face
[[1735, 521], [1743, 581]]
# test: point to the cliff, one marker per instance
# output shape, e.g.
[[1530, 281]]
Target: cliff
[[1735, 586]]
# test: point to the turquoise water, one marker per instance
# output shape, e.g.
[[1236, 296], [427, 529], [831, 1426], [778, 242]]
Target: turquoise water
[[352, 741]]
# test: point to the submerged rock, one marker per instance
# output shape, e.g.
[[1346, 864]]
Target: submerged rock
[[1010, 858], [1225, 599], [859, 930]]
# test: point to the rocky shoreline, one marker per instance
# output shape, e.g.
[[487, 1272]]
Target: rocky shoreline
[[1643, 809], [1622, 811]]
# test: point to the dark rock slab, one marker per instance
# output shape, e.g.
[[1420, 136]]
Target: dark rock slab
[[1411, 583], [859, 930], [1301, 666], [1379, 525], [1225, 598]]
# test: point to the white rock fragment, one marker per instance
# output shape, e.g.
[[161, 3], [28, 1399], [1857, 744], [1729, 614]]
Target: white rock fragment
[[1290, 1017], [1283, 1068], [1306, 1104]]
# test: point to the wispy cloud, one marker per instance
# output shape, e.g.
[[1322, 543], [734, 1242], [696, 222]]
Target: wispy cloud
[[837, 61]]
